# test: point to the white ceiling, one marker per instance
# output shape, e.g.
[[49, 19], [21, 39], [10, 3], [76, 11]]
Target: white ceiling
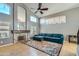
[[52, 7]]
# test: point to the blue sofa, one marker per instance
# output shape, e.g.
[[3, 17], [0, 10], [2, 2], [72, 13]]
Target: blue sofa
[[57, 38]]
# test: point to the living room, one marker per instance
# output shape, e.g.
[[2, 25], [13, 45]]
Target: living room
[[51, 31]]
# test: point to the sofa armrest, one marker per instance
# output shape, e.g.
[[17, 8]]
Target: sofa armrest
[[62, 36], [35, 35]]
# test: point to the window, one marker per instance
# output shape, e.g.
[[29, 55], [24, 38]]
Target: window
[[33, 30], [21, 14], [63, 19], [4, 8], [4, 30], [33, 19], [21, 18], [54, 20]]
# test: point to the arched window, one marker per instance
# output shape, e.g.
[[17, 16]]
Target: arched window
[[4, 8]]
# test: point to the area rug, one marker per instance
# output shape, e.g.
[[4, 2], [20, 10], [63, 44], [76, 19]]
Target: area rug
[[50, 48]]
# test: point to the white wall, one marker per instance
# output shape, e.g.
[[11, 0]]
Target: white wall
[[9, 18], [71, 26], [28, 14]]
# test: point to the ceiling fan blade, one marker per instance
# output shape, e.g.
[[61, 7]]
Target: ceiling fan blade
[[39, 6], [41, 12], [35, 12], [44, 9]]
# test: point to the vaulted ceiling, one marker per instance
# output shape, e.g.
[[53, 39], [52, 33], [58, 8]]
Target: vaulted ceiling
[[52, 7]]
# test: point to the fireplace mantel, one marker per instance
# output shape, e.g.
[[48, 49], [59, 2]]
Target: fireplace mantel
[[20, 31]]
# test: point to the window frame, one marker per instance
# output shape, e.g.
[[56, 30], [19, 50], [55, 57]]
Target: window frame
[[6, 9], [35, 21]]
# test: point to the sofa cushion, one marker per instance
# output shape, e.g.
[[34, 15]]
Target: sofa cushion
[[42, 34], [38, 38], [52, 37], [41, 37], [57, 35]]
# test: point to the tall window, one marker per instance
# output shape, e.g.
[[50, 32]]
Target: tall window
[[33, 19], [21, 14], [21, 18], [54, 20], [4, 8]]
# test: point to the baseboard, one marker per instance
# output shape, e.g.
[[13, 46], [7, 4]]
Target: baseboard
[[6, 45]]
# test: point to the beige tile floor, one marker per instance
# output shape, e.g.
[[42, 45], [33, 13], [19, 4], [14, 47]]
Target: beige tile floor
[[19, 49]]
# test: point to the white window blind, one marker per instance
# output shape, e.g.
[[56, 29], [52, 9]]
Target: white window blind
[[54, 20]]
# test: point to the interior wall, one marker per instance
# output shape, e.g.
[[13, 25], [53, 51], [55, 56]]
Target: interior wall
[[9, 18], [70, 27], [28, 22], [16, 16]]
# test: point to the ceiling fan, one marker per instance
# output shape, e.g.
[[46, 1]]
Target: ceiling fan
[[39, 9]]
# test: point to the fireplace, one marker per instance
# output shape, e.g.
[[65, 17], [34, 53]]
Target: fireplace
[[21, 38]]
